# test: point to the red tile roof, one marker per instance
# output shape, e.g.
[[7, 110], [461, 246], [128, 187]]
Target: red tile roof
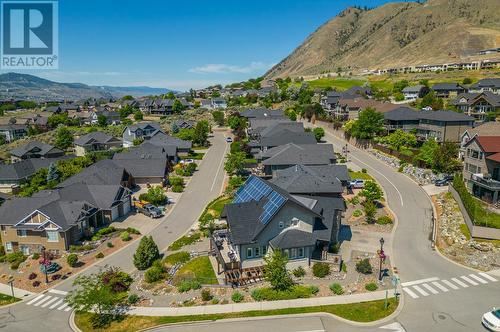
[[489, 143]]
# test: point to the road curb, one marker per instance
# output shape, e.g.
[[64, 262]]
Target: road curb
[[72, 323]]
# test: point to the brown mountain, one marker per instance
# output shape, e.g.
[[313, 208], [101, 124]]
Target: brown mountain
[[397, 35]]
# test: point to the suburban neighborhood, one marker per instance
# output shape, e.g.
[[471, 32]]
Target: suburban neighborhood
[[325, 192]]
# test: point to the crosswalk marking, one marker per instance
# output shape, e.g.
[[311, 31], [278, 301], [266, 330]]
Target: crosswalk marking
[[432, 290], [441, 287], [49, 302], [420, 290], [67, 309], [487, 276], [416, 282], [478, 279], [56, 291], [449, 284], [472, 282], [411, 293], [63, 306], [35, 299], [56, 304], [459, 282], [46, 298]]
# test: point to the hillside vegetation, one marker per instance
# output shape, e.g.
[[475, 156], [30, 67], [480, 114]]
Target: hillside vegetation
[[396, 35]]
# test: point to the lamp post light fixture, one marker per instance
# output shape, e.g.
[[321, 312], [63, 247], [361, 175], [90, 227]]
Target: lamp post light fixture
[[45, 264], [381, 256]]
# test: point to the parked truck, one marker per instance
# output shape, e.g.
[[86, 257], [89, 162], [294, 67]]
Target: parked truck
[[148, 209]]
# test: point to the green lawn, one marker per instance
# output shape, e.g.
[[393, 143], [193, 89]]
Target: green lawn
[[7, 299], [358, 312], [214, 209], [201, 269], [335, 83], [184, 241], [360, 175], [386, 85]]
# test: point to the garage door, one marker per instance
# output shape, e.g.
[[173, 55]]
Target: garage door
[[126, 207], [114, 213]]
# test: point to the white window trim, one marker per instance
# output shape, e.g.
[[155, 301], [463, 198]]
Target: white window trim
[[23, 233], [250, 250], [8, 247], [54, 232]]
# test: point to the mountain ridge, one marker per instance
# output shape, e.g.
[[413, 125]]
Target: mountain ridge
[[25, 86], [396, 34]]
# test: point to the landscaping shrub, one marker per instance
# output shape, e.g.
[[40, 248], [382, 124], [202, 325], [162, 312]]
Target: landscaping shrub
[[36, 283], [109, 244], [32, 276], [176, 181], [364, 266], [15, 259], [154, 195], [177, 188], [336, 289], [357, 213], [371, 287], [35, 256], [363, 170], [314, 289], [178, 257], [154, 273], [299, 272], [296, 292], [184, 241], [335, 248], [321, 270], [72, 260], [77, 248], [344, 267], [206, 295], [215, 301], [102, 232], [55, 277], [187, 285], [133, 299], [125, 236], [117, 280], [237, 297], [99, 255], [132, 230], [384, 220]]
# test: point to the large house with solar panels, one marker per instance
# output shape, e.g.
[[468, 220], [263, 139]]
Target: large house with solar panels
[[264, 217]]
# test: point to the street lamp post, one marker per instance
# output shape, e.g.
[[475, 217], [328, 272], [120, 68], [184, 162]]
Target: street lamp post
[[382, 257], [45, 264]]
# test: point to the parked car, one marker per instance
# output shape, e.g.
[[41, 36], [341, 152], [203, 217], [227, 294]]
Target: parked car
[[187, 161], [443, 181], [491, 320], [148, 209], [357, 184], [229, 140]]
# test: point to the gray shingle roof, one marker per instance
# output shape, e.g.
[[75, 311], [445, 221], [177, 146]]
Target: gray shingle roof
[[144, 167], [146, 151], [103, 172], [43, 148], [262, 113], [293, 238], [277, 127], [161, 139], [312, 179], [447, 87], [26, 168], [408, 114], [413, 89], [96, 136], [298, 154], [287, 136]]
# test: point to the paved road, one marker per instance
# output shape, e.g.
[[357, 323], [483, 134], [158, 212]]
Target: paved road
[[46, 313]]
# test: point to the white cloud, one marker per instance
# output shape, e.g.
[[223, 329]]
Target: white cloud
[[220, 68]]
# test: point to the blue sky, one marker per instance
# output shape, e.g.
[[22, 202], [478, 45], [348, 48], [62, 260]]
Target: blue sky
[[182, 44]]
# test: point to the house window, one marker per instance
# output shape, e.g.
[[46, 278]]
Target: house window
[[293, 253], [8, 247], [301, 252], [52, 236], [22, 233], [264, 250], [295, 221], [281, 224], [286, 253], [257, 251], [249, 252]]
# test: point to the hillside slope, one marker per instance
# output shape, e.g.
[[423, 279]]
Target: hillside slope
[[396, 35]]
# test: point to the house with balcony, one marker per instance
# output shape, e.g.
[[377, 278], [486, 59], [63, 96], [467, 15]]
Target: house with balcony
[[485, 129], [481, 170], [486, 85], [413, 92], [440, 125], [262, 218], [12, 132], [477, 105], [448, 90], [35, 149], [140, 131], [95, 141]]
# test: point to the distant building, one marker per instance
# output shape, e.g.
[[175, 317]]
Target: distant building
[[95, 141], [35, 149]]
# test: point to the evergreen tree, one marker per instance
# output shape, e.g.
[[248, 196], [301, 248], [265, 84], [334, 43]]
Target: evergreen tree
[[53, 173], [276, 273], [147, 252]]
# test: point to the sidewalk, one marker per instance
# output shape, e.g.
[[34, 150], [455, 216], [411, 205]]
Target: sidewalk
[[266, 305], [18, 292]]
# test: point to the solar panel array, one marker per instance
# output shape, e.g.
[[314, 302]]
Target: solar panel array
[[254, 190]]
